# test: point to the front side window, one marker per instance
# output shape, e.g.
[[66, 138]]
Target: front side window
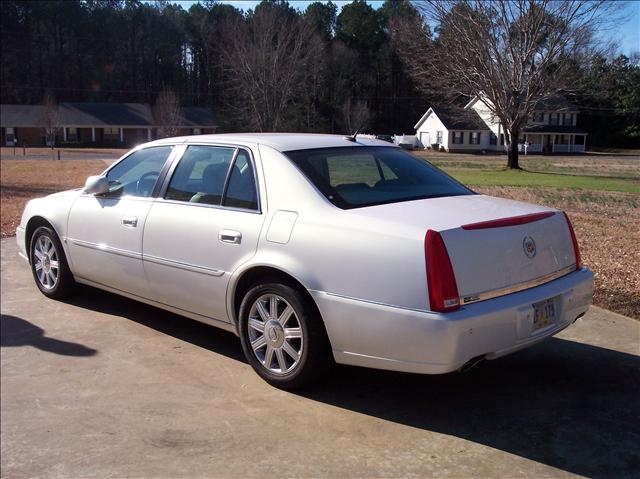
[[475, 138], [214, 176], [352, 177], [458, 137], [493, 139], [439, 137], [72, 134], [138, 173]]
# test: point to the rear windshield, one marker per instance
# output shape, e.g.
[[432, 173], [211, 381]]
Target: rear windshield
[[353, 177]]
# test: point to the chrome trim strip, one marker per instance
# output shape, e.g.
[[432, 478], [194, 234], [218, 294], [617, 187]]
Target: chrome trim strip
[[181, 265], [378, 303], [477, 297], [105, 248]]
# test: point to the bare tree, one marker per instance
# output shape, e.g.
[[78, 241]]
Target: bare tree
[[167, 113], [356, 115], [269, 61], [511, 53], [50, 119]]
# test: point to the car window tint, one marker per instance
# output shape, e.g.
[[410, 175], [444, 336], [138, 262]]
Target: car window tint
[[200, 175], [352, 177], [241, 191], [137, 174]]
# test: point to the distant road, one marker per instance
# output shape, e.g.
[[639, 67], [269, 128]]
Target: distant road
[[108, 155]]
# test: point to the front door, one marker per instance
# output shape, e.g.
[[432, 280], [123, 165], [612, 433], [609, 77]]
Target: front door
[[104, 232], [205, 226]]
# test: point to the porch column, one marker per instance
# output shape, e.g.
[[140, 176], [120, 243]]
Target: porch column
[[64, 134], [121, 135], [93, 135], [553, 143], [148, 134]]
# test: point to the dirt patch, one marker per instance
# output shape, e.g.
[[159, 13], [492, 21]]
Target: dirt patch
[[607, 225], [22, 180]]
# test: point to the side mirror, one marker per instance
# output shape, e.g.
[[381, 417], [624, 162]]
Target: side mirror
[[96, 185]]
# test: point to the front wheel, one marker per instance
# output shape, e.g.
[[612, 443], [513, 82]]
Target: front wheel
[[283, 337], [49, 264]]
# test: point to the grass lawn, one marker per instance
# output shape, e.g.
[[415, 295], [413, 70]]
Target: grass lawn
[[21, 180], [474, 177]]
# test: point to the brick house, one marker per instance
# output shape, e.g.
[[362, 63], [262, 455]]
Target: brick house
[[95, 124]]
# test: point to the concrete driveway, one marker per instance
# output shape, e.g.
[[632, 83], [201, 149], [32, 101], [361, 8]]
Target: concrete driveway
[[101, 386]]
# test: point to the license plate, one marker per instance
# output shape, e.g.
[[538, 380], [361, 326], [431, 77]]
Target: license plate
[[544, 313]]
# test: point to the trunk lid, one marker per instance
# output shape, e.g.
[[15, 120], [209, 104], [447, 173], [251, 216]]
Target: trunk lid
[[490, 260]]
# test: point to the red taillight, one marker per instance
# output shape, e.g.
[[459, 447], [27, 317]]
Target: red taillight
[[576, 249], [443, 289]]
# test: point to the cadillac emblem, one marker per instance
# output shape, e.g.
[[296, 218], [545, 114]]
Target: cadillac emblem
[[529, 246]]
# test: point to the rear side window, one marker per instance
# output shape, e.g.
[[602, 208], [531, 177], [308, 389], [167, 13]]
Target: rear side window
[[241, 190], [352, 177], [200, 175], [214, 176]]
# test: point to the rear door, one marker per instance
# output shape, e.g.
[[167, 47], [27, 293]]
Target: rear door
[[104, 232], [205, 225]]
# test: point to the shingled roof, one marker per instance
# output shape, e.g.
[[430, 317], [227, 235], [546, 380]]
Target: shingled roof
[[455, 118], [100, 115]]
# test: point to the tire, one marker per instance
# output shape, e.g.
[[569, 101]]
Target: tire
[[49, 264], [300, 332]]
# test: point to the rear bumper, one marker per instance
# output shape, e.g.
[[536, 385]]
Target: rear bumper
[[387, 337]]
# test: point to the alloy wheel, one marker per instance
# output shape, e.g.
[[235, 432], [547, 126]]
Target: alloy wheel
[[46, 262], [275, 334]]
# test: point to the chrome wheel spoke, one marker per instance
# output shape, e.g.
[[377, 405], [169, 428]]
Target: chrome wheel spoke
[[262, 312], [292, 333], [282, 364], [273, 307], [258, 343], [291, 351], [268, 357], [52, 278], [257, 325], [37, 253], [286, 314], [53, 264], [38, 266]]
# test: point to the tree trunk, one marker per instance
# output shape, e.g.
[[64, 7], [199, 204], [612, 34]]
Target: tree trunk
[[512, 151]]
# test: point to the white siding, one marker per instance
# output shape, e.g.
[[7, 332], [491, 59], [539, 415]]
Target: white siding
[[431, 126]]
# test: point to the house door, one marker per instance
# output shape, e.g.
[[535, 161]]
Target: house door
[[425, 138]]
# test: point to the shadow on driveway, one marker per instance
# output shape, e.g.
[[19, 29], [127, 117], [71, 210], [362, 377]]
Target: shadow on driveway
[[569, 405], [16, 332]]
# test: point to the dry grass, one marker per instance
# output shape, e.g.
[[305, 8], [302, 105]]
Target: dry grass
[[21, 180], [607, 225]]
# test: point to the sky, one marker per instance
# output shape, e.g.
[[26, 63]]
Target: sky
[[627, 35]]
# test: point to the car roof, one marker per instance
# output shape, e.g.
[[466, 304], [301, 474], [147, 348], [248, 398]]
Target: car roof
[[278, 141]]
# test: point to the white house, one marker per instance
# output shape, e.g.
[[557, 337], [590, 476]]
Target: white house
[[551, 129]]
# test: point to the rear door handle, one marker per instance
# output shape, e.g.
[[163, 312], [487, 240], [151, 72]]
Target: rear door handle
[[230, 236], [130, 221]]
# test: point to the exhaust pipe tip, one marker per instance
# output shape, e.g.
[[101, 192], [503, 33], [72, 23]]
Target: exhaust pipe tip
[[472, 363]]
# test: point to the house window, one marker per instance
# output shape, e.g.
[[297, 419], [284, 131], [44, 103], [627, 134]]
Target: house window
[[538, 117], [458, 137], [493, 139], [72, 134], [475, 138], [502, 138], [111, 134], [9, 136], [439, 137], [197, 131], [554, 118], [573, 119]]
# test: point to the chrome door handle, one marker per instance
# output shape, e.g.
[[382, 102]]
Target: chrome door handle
[[230, 236], [130, 221]]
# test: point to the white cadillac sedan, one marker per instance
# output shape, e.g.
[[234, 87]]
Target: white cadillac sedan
[[314, 249]]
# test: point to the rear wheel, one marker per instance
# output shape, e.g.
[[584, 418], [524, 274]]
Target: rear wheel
[[49, 264], [283, 337]]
